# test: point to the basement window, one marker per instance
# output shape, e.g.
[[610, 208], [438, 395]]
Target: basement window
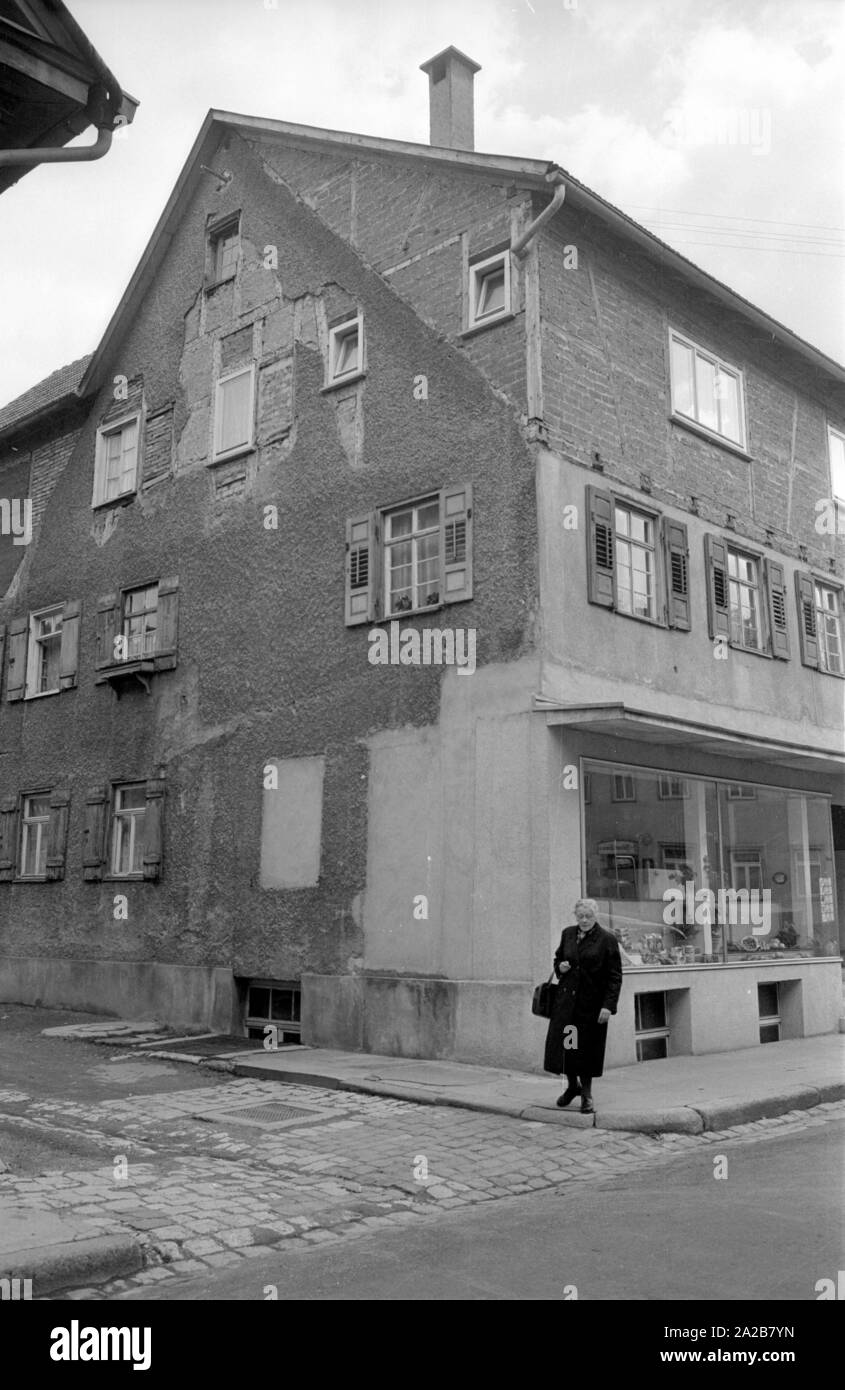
[[489, 290], [650, 1027], [768, 1003], [275, 1002]]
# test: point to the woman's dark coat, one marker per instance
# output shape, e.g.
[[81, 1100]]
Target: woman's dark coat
[[592, 983]]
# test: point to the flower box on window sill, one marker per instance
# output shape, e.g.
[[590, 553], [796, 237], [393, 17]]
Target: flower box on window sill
[[128, 672]]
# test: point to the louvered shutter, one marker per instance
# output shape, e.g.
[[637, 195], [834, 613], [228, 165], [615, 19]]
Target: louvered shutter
[[18, 640], [807, 628], [362, 565], [2, 649], [676, 549], [69, 660], [600, 587], [107, 620], [95, 834], [718, 595], [8, 838], [776, 593], [168, 624], [153, 829], [57, 834], [456, 543]]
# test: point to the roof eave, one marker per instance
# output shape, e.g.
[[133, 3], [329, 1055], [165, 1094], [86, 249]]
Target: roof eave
[[528, 173]]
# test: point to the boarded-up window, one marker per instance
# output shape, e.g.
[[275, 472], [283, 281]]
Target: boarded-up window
[[291, 822]]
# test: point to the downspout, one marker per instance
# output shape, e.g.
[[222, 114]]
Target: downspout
[[520, 246], [105, 99]]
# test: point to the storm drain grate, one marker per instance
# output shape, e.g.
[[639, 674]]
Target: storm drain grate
[[270, 1115]]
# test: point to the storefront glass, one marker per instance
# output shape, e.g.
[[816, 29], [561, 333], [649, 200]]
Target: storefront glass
[[690, 870]]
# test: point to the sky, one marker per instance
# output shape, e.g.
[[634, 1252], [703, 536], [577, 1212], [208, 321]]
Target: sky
[[718, 124]]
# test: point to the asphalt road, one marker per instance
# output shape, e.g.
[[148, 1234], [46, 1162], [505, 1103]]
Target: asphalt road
[[769, 1230]]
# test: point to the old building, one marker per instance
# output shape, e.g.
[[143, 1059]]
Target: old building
[[424, 546]]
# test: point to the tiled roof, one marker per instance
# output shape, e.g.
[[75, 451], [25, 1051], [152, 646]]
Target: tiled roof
[[52, 389]]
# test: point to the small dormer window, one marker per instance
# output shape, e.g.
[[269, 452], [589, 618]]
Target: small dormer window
[[346, 350], [489, 290]]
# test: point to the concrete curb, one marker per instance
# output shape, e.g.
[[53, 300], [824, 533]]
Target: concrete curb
[[686, 1119], [74, 1264]]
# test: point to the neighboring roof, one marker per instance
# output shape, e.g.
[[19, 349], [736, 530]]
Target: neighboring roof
[[54, 83], [45, 396], [527, 173]]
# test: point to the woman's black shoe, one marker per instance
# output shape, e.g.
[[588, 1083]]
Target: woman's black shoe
[[587, 1107], [568, 1096]]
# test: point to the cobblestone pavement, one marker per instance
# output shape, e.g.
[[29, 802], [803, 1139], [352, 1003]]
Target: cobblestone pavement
[[203, 1190]]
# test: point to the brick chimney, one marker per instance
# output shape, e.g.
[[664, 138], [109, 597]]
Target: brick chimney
[[450, 78]]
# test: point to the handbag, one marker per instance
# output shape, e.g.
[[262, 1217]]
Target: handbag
[[543, 1000]]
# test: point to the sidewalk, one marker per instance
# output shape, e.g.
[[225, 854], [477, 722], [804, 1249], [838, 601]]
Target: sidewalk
[[58, 1252], [683, 1095]]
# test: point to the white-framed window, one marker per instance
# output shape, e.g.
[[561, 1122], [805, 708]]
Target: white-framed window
[[489, 289], [836, 454], [224, 250], [744, 600], [45, 650], [707, 390], [116, 467], [346, 349], [623, 788], [35, 820], [741, 791], [139, 622], [234, 412], [129, 809], [634, 537], [671, 788], [412, 556], [829, 628]]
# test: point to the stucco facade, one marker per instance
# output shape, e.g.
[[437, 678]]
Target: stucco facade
[[402, 843]]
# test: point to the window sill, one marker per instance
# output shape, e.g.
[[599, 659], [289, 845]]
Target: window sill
[[351, 380], [837, 675], [750, 651], [474, 328], [122, 501], [704, 433], [411, 613], [124, 878], [31, 878], [639, 618], [42, 694], [211, 285], [241, 452]]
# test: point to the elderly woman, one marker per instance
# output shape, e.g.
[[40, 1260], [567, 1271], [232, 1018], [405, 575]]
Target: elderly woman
[[589, 968]]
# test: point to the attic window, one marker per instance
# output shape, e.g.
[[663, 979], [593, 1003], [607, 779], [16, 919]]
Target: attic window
[[489, 290], [224, 249], [346, 350]]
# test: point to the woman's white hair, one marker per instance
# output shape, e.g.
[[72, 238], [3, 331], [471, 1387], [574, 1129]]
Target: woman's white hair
[[589, 903]]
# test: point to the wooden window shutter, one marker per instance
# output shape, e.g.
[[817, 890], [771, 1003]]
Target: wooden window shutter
[[600, 586], [69, 660], [153, 829], [168, 624], [718, 598], [362, 569], [57, 834], [18, 642], [776, 593], [806, 594], [8, 838], [676, 549], [456, 543], [108, 611], [2, 649], [93, 860]]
